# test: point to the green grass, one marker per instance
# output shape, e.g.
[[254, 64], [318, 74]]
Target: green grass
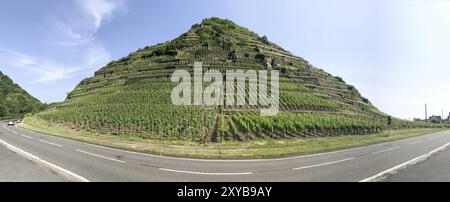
[[264, 148]]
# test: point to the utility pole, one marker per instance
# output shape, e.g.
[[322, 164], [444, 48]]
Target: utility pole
[[426, 115]]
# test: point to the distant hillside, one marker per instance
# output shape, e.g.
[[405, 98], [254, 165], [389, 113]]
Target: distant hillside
[[14, 101], [132, 95]]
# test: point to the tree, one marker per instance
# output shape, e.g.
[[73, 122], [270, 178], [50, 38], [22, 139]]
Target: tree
[[3, 111], [389, 122], [264, 39]]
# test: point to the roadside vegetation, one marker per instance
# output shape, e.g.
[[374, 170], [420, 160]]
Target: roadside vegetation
[[261, 148], [14, 101]]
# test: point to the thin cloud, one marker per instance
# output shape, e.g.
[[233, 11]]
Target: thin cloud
[[101, 10], [67, 37], [73, 48], [79, 27], [44, 70]]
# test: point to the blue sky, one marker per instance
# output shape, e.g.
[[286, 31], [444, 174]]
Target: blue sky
[[394, 52]]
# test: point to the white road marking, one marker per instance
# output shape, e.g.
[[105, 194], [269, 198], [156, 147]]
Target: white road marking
[[50, 143], [61, 171], [203, 173], [386, 150], [323, 164], [207, 160], [413, 143], [26, 136], [99, 156], [403, 165]]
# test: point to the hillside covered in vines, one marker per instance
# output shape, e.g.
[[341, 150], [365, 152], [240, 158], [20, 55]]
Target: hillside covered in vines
[[132, 95]]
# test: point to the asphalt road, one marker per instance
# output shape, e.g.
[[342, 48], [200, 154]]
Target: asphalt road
[[96, 163], [434, 169], [14, 168]]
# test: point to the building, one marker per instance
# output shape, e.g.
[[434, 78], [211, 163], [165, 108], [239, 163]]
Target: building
[[435, 119]]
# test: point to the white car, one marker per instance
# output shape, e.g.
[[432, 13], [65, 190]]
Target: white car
[[19, 121], [10, 123]]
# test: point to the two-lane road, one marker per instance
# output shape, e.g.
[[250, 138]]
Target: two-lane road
[[14, 168], [97, 163], [434, 169]]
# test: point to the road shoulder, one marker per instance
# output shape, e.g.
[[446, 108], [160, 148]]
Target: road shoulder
[[256, 149], [433, 169], [15, 168]]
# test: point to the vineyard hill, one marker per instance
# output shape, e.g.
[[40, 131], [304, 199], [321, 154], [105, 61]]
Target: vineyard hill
[[132, 95]]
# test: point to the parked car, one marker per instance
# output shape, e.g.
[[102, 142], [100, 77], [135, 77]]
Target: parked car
[[10, 123], [19, 121]]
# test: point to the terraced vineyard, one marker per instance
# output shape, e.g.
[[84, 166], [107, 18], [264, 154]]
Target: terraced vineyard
[[132, 95]]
